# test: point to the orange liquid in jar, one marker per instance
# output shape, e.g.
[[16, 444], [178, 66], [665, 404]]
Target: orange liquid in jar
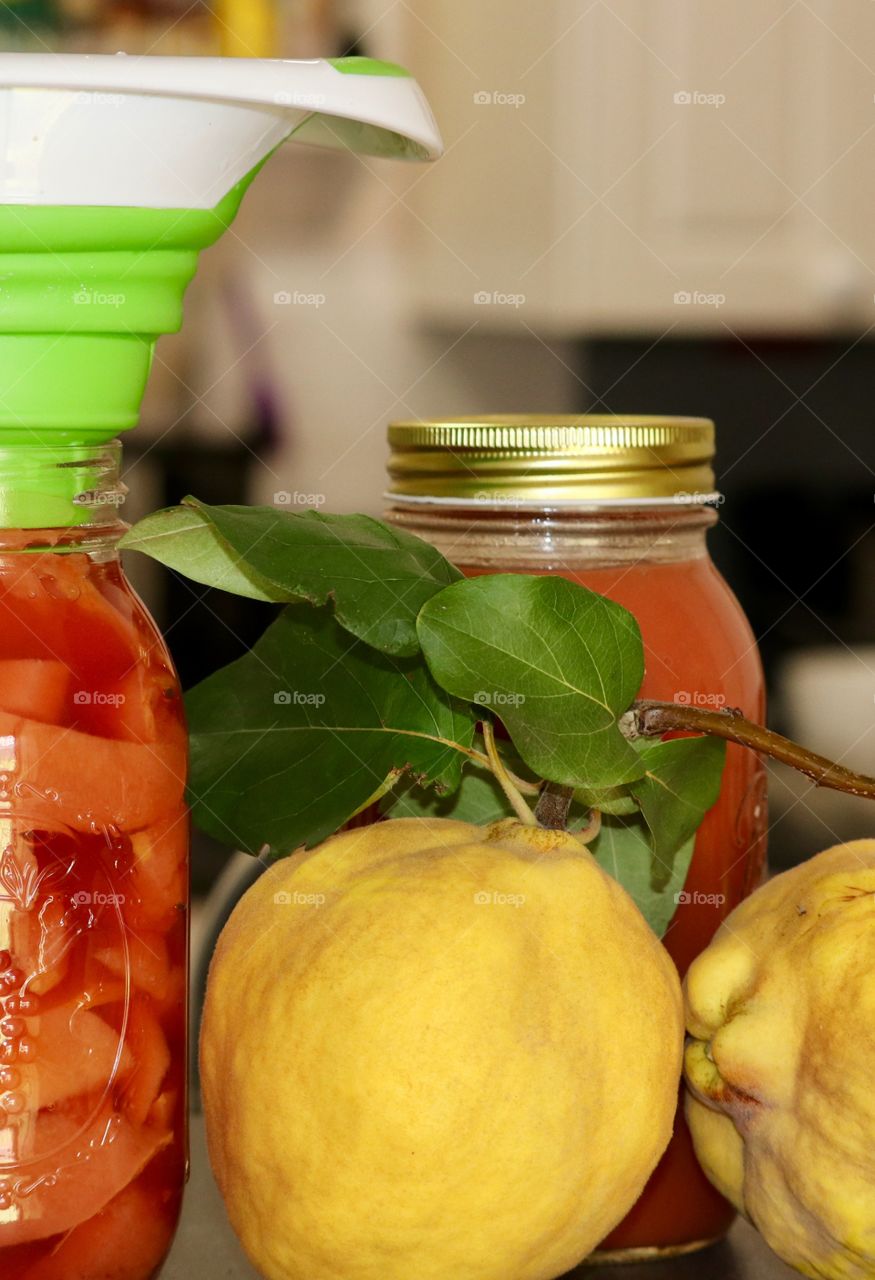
[[93, 926], [698, 647]]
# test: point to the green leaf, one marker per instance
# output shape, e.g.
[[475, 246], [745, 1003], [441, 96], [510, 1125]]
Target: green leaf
[[558, 663], [184, 540], [680, 784], [291, 740], [479, 800], [377, 578], [623, 849]]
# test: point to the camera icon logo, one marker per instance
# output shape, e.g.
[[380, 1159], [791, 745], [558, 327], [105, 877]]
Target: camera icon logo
[[283, 698], [282, 298], [82, 698], [683, 98], [482, 98]]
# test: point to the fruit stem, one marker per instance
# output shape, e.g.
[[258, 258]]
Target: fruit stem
[[496, 764], [554, 805], [587, 834], [652, 719]]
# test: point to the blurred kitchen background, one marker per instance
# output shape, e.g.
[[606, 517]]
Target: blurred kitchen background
[[644, 207]]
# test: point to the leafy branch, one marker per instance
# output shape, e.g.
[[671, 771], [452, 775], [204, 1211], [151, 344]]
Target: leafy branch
[[388, 677], [652, 719]]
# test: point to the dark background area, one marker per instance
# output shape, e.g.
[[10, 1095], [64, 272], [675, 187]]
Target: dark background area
[[795, 463]]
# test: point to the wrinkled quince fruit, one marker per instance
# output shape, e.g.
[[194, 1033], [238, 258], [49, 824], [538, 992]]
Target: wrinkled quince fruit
[[434, 1051], [782, 1104]]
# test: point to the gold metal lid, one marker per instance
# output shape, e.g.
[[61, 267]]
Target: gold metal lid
[[550, 459]]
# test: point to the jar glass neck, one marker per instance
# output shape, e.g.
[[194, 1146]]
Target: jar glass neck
[[594, 536], [60, 498]]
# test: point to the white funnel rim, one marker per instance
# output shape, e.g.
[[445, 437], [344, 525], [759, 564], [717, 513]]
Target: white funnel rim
[[361, 96], [180, 132]]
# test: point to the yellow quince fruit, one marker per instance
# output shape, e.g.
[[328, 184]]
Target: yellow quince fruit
[[782, 1083], [431, 1051]]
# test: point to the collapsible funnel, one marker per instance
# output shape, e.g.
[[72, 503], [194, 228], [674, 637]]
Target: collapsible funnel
[[114, 173]]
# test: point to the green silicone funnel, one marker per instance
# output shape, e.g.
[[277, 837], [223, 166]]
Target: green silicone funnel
[[84, 295], [116, 173]]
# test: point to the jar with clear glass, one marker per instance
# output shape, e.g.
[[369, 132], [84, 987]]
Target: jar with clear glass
[[93, 887], [623, 506]]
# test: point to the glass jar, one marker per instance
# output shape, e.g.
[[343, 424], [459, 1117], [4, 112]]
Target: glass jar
[[622, 506], [93, 888]]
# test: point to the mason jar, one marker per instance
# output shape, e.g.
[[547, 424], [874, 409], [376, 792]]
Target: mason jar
[[621, 505], [93, 886]]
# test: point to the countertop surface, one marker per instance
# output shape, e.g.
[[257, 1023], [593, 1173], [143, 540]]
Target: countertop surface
[[206, 1246]]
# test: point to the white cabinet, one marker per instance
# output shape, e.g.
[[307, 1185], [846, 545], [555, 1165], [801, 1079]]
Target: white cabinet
[[624, 165]]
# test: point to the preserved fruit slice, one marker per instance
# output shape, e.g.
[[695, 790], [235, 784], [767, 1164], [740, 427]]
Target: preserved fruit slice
[[164, 1110], [135, 712], [102, 991], [89, 782], [46, 607], [158, 876], [35, 688], [76, 1053], [172, 1007], [89, 1166], [148, 960], [149, 1059], [113, 1246]]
